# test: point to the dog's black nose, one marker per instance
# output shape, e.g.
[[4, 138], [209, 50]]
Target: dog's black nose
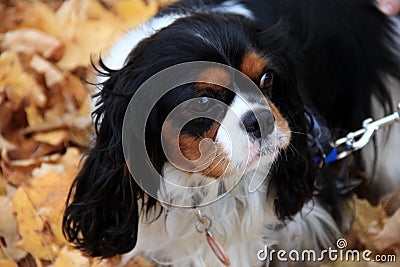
[[259, 121]]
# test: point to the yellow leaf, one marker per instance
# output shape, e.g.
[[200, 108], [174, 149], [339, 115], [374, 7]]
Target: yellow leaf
[[8, 230], [138, 260], [52, 75], [39, 207], [71, 258], [76, 89], [7, 263], [85, 108], [17, 83], [135, 11], [5, 144], [368, 221], [88, 28], [39, 16], [53, 138], [33, 116], [30, 226], [71, 160], [31, 41], [390, 234]]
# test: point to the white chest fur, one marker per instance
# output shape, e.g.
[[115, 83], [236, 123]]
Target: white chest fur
[[239, 222]]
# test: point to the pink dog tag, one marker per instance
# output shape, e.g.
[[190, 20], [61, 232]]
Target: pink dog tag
[[217, 249]]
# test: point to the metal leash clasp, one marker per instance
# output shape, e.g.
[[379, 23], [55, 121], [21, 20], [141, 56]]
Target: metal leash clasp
[[356, 140]]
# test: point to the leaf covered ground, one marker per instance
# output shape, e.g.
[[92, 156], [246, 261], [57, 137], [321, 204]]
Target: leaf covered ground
[[45, 126]]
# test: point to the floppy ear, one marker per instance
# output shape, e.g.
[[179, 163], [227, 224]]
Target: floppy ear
[[294, 175], [102, 213]]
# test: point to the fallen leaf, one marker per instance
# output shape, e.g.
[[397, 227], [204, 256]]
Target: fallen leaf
[[126, 8], [31, 41], [33, 115], [139, 261], [7, 109], [39, 16], [76, 89], [29, 149], [3, 186], [52, 75], [71, 159], [53, 138], [71, 258], [66, 121], [7, 263], [44, 109], [114, 261], [390, 235], [4, 144], [13, 177], [163, 3], [88, 28], [8, 230], [47, 167], [23, 87], [35, 238], [39, 207], [368, 221]]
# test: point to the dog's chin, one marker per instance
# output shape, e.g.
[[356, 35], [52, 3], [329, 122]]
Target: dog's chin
[[266, 153], [261, 161]]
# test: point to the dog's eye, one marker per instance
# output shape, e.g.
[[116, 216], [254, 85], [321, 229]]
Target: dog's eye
[[200, 105], [266, 80]]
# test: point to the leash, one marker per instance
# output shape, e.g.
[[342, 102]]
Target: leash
[[338, 177], [354, 141]]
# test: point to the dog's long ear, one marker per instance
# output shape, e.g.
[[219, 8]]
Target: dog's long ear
[[292, 177], [294, 173], [102, 213]]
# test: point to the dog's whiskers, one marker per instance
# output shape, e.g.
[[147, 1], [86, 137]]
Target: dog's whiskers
[[294, 132]]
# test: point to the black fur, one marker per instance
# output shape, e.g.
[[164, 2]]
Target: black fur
[[330, 55], [343, 52], [102, 211]]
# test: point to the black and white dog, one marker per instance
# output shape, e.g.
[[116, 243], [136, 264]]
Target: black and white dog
[[321, 67]]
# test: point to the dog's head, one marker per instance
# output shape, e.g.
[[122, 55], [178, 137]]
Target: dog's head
[[222, 128]]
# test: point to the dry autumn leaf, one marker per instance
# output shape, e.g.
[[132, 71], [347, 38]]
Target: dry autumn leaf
[[38, 206], [30, 41], [390, 235], [368, 221], [71, 258], [87, 29], [126, 8], [52, 75], [45, 111], [53, 138], [7, 263], [23, 87], [8, 231], [139, 261]]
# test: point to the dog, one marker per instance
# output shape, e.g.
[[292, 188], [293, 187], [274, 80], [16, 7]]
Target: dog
[[283, 79]]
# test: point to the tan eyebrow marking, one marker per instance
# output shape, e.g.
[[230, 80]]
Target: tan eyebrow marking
[[253, 65], [215, 78]]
